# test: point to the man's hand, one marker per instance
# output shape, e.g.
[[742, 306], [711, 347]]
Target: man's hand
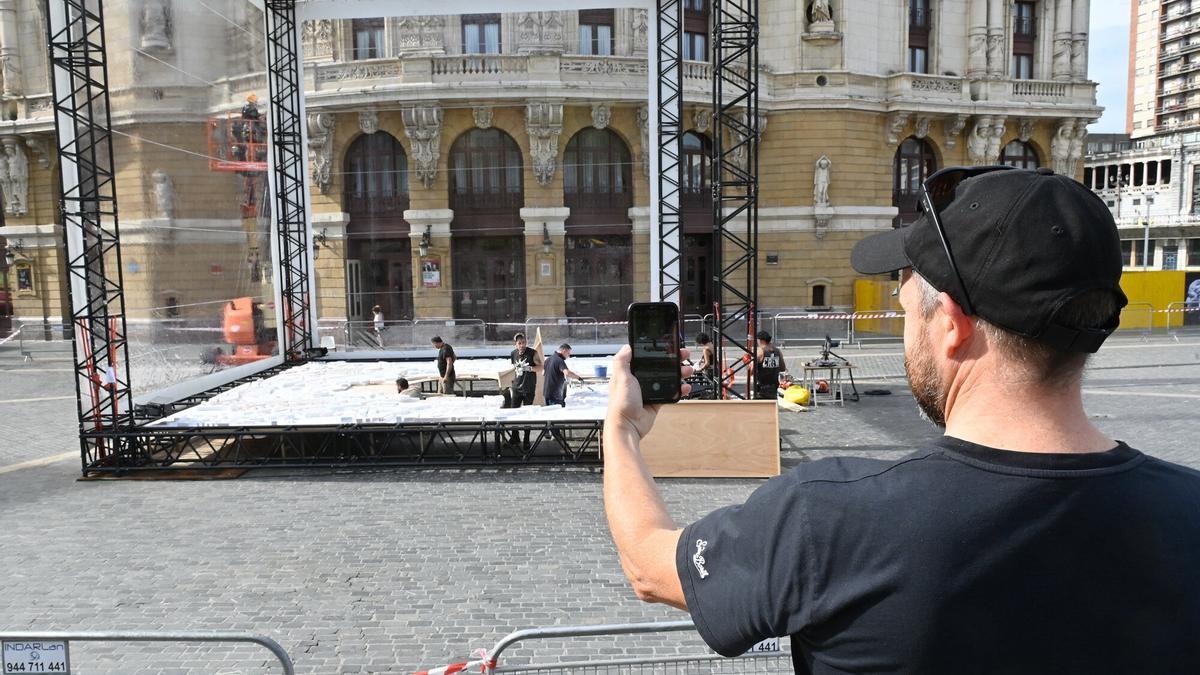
[[625, 405]]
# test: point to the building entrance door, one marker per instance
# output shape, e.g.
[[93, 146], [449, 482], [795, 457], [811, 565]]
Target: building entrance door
[[489, 281], [697, 274], [385, 279]]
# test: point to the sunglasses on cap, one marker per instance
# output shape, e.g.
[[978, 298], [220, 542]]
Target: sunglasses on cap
[[937, 193]]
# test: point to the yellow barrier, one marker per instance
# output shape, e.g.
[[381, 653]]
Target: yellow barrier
[[876, 296]]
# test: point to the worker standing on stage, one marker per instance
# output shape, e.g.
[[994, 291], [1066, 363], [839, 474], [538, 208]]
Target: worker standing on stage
[[768, 363], [707, 357], [557, 372], [445, 365], [527, 364]]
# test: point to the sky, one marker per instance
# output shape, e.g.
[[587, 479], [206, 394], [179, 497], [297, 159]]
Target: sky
[[1108, 61]]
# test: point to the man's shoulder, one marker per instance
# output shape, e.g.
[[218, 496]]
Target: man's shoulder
[[850, 471]]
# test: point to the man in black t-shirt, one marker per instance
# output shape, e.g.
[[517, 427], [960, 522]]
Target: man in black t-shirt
[[527, 364], [768, 363], [445, 365], [1025, 540], [556, 373]]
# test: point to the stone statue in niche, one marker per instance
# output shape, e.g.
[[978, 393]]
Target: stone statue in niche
[[821, 182], [156, 25], [820, 12], [18, 178], [164, 194]]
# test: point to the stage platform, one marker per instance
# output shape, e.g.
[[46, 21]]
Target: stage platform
[[335, 411]]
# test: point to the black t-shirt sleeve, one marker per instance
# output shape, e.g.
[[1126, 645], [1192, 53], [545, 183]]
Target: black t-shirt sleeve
[[745, 569]]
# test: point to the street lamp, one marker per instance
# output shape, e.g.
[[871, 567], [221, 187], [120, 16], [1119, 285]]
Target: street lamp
[[426, 240], [12, 251], [547, 242]]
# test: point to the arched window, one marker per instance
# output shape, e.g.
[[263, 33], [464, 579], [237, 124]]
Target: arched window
[[914, 162], [597, 178], [697, 158], [485, 174], [376, 171], [1019, 154]]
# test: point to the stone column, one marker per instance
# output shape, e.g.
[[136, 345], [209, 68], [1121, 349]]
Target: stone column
[[995, 38], [431, 302], [977, 18], [545, 283], [10, 55], [1079, 39], [1062, 40]]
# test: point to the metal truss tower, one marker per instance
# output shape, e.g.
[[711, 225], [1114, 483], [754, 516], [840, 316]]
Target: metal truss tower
[[79, 64], [669, 158], [285, 81], [736, 131]]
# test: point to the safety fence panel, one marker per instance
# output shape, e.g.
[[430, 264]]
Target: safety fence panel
[[66, 652], [454, 331], [1137, 317], [574, 330], [800, 328], [882, 326], [662, 648], [1183, 318]]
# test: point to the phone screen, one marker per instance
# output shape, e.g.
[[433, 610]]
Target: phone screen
[[654, 339]]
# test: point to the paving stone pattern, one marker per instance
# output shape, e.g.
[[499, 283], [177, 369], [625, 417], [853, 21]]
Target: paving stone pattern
[[389, 571]]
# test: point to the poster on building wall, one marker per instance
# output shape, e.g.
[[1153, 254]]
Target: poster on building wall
[[431, 271], [1191, 285]]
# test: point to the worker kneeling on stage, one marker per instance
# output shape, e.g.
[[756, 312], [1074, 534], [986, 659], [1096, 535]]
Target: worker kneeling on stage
[[556, 373]]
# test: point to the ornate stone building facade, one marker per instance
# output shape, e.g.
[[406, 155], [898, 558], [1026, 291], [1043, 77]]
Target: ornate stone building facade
[[496, 166]]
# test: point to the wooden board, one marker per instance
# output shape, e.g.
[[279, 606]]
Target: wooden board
[[714, 439]]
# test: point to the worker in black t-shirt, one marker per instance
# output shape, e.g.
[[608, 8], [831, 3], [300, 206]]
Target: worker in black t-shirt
[[768, 363], [445, 365], [556, 373], [1024, 540], [527, 365]]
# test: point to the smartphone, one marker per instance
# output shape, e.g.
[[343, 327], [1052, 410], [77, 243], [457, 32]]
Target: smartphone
[[654, 339]]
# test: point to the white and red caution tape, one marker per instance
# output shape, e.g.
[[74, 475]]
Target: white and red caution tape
[[482, 662]]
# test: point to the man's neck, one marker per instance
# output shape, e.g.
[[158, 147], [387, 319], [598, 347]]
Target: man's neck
[[1023, 418]]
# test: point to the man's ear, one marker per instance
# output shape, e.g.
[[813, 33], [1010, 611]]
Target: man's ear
[[957, 328]]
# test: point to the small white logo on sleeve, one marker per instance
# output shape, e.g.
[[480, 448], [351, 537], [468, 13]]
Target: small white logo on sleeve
[[698, 557]]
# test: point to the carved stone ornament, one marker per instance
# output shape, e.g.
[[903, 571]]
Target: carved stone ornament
[[423, 126], [39, 148], [643, 124], [954, 127], [10, 71], [163, 189], [540, 33], [543, 121], [156, 25], [601, 116], [14, 177], [739, 154], [482, 114], [1077, 143], [994, 138], [1025, 130], [922, 127], [995, 54], [1060, 146], [701, 119], [1062, 58], [821, 181], [320, 148], [368, 121], [318, 38], [819, 13], [896, 122], [420, 34], [640, 31], [977, 141]]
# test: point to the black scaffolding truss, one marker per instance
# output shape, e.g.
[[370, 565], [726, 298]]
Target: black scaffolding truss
[[736, 132], [670, 137], [78, 59], [285, 80]]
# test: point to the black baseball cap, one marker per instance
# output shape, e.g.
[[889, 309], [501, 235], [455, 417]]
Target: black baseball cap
[[1026, 242]]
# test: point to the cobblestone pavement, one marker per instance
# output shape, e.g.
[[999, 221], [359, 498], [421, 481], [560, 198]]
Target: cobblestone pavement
[[388, 571]]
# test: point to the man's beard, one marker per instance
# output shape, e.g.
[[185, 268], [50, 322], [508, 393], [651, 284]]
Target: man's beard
[[925, 383]]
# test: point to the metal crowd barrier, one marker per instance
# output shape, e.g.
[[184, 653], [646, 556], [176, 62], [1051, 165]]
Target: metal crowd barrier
[[798, 328], [1183, 319], [767, 657], [1137, 317], [877, 326], [52, 652]]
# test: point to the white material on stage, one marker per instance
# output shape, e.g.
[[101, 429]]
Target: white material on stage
[[322, 393]]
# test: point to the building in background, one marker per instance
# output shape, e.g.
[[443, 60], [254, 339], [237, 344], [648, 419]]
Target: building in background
[[1164, 71], [1150, 185], [495, 166]]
